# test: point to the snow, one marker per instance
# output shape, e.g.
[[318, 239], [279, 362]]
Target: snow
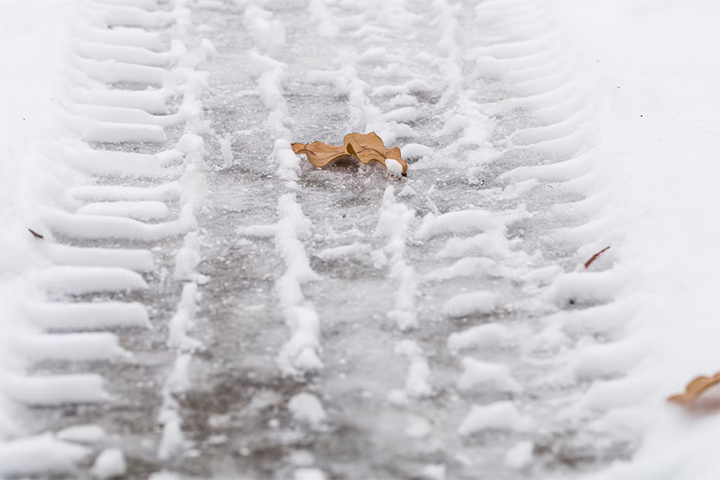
[[355, 250], [67, 347], [497, 416], [79, 280], [434, 472], [87, 316], [490, 244], [82, 434], [109, 464], [188, 258], [622, 127], [407, 191], [520, 455], [130, 259], [142, 210], [417, 383], [410, 150], [465, 267], [481, 336], [54, 390], [484, 376], [40, 455], [472, 303], [226, 150], [183, 321], [165, 192], [394, 167], [306, 408], [394, 224], [657, 83], [308, 474], [417, 426]]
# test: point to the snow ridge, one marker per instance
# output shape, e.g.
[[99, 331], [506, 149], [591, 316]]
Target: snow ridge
[[301, 356], [110, 45]]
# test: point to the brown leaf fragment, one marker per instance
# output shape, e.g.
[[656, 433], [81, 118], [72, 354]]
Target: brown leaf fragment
[[35, 234], [320, 154], [594, 257], [695, 388], [365, 147]]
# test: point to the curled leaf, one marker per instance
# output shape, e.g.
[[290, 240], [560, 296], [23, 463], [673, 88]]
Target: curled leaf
[[366, 148], [320, 154], [695, 388]]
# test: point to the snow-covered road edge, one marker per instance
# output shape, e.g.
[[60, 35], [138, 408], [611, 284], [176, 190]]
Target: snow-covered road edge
[[76, 57], [654, 198], [30, 180]]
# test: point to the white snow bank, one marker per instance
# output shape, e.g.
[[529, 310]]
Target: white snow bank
[[34, 37], [657, 76]]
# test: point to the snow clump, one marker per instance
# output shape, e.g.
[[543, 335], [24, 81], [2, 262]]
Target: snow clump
[[393, 167], [110, 464]]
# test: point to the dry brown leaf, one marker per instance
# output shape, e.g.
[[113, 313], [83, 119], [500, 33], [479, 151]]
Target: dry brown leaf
[[365, 147], [320, 154], [594, 257], [695, 388]]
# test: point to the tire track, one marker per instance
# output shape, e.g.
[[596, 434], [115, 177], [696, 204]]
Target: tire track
[[103, 271]]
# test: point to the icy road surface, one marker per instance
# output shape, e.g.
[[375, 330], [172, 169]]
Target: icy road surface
[[212, 306]]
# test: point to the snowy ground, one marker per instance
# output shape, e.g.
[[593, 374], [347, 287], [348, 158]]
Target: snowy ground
[[181, 296]]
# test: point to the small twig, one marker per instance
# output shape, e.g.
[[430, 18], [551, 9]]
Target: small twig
[[35, 234], [594, 257]]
